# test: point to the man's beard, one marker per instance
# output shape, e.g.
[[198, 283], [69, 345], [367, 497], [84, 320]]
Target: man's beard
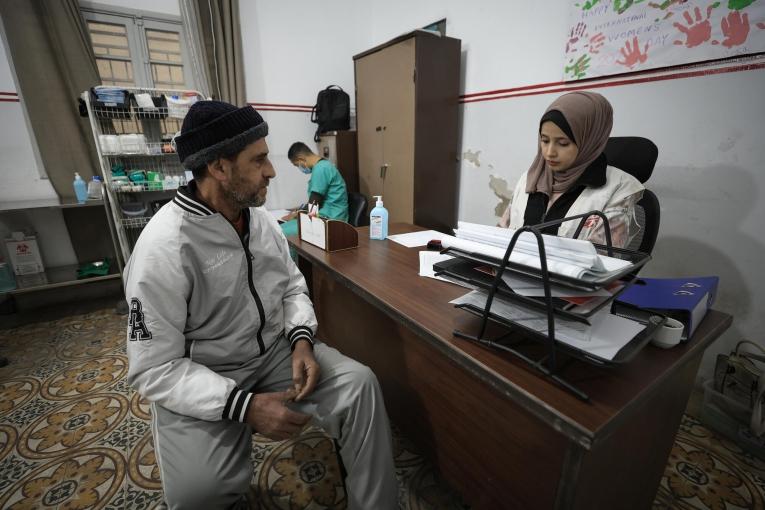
[[242, 201], [235, 196]]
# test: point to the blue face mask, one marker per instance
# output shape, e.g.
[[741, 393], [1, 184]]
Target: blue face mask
[[304, 169]]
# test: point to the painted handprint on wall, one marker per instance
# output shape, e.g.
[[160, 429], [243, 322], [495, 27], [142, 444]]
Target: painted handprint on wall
[[698, 31], [595, 43], [739, 4], [607, 37], [622, 5], [632, 55], [577, 69], [576, 33], [735, 28], [589, 4]]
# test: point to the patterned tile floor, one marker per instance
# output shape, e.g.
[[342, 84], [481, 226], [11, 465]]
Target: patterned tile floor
[[73, 435]]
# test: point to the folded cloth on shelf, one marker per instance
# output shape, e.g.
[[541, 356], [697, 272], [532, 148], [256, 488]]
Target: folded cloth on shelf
[[97, 268]]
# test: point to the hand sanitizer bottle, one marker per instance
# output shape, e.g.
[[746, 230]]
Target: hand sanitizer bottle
[[378, 220], [80, 188], [94, 188]]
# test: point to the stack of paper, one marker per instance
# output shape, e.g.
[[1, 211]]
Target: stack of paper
[[574, 258], [603, 337]]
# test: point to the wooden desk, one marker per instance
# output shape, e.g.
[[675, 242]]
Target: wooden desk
[[501, 434]]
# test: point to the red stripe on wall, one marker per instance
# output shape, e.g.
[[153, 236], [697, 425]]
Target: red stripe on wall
[[647, 79], [282, 105], [8, 100], [264, 109], [8, 94], [682, 67], [514, 89]]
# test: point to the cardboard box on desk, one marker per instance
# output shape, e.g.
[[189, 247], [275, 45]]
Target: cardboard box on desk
[[329, 235]]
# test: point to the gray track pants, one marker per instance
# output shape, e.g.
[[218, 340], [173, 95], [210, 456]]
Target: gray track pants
[[206, 464]]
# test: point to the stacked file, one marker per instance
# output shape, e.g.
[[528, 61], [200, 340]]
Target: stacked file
[[572, 258]]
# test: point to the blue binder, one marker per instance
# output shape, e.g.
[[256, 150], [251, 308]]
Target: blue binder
[[685, 299]]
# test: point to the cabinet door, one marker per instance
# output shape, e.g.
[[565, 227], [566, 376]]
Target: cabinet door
[[369, 119], [385, 120]]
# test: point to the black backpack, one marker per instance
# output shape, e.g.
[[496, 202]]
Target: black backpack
[[332, 111]]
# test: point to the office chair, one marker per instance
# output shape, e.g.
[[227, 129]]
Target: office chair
[[637, 156], [357, 209]]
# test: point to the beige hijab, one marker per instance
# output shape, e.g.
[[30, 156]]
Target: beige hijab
[[590, 117]]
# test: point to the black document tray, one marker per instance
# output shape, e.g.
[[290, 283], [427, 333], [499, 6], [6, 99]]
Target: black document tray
[[652, 322], [635, 258], [463, 270]]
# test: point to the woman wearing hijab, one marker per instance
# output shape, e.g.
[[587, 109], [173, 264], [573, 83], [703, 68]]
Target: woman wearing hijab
[[570, 174]]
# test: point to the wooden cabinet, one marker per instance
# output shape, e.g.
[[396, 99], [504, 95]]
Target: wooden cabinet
[[406, 114], [340, 148]]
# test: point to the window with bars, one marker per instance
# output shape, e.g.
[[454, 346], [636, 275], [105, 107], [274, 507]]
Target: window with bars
[[136, 49]]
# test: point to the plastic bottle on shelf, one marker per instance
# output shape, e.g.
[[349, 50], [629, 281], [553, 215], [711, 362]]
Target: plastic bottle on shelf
[[80, 188], [94, 188], [378, 220]]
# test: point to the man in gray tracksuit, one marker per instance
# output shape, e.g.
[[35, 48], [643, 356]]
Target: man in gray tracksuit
[[220, 334]]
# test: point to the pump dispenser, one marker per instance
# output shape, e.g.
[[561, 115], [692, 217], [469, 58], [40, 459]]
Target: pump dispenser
[[80, 188], [378, 220]]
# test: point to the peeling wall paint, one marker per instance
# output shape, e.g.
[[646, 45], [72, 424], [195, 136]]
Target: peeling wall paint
[[472, 157], [499, 186]]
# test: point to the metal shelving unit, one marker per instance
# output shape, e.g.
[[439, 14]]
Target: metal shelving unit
[[134, 147]]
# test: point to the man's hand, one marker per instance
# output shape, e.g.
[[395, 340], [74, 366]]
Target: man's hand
[[268, 415], [305, 370]]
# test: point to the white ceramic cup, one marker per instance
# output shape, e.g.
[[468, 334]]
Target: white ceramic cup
[[669, 334]]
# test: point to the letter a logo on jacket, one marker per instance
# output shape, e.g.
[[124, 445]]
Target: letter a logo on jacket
[[138, 329]]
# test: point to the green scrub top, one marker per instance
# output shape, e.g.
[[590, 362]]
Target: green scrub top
[[327, 181]]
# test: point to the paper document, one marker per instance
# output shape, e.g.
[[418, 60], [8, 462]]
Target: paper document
[[312, 231], [533, 287], [568, 252], [604, 337], [562, 262], [427, 259], [278, 214], [416, 238]]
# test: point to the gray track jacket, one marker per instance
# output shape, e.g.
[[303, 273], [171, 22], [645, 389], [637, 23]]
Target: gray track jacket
[[205, 305]]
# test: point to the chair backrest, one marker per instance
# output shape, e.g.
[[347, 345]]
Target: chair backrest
[[648, 216], [637, 156], [633, 154], [357, 209]]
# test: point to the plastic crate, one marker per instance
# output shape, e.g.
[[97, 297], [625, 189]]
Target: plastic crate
[[107, 110], [160, 103], [733, 408], [730, 419]]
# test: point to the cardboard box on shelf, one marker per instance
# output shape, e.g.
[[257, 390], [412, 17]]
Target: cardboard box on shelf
[[24, 254]]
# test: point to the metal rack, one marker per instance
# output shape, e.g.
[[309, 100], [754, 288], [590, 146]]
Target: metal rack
[[550, 364], [134, 146]]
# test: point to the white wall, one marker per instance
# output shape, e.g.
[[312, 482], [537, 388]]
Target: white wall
[[291, 51], [708, 177], [21, 176]]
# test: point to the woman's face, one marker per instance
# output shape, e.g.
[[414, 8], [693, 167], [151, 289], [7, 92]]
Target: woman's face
[[559, 150]]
